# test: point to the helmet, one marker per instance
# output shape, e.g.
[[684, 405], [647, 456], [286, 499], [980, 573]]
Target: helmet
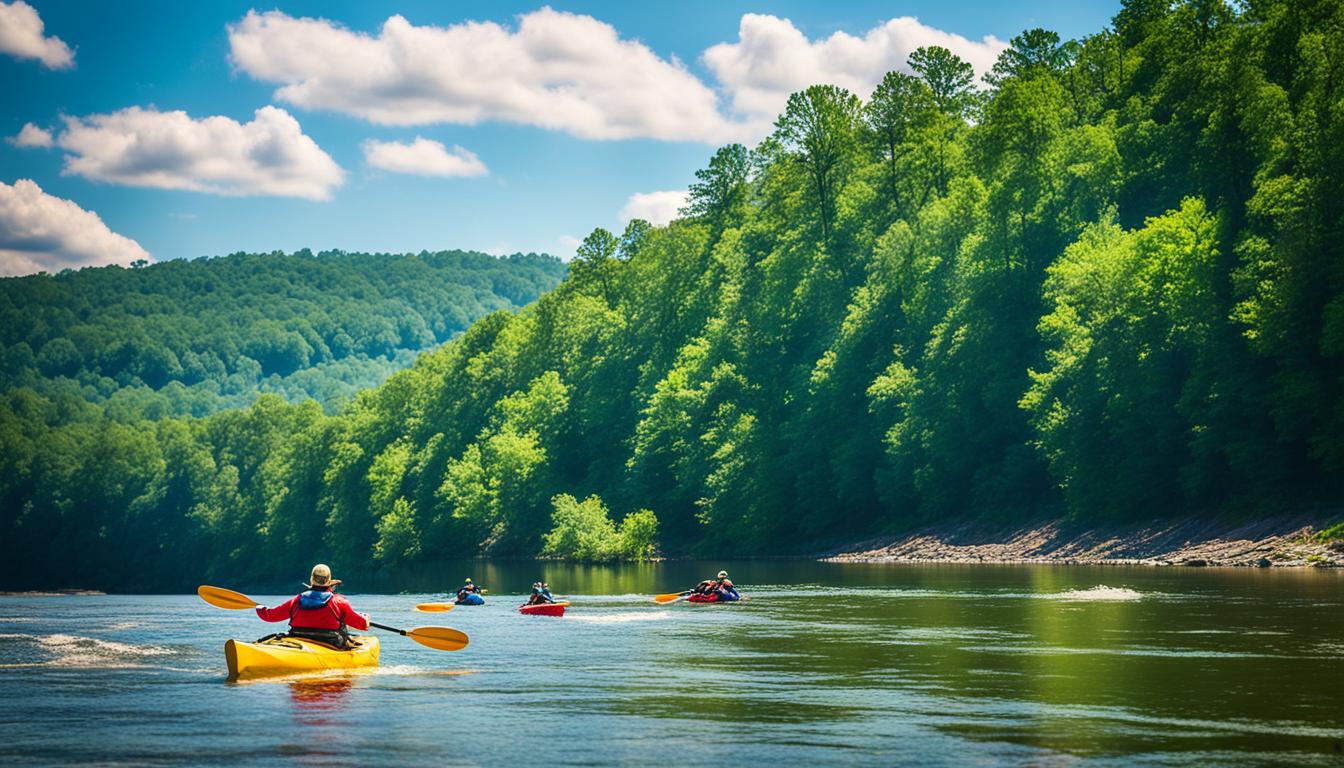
[[723, 574], [468, 581]]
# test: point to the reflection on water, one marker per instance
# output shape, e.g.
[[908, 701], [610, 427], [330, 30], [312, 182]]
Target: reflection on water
[[826, 663], [315, 698]]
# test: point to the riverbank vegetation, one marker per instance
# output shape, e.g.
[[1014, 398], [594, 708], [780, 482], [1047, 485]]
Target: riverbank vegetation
[[189, 338], [1107, 285]]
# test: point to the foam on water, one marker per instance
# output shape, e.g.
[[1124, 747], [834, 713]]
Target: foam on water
[[1099, 593], [76, 651]]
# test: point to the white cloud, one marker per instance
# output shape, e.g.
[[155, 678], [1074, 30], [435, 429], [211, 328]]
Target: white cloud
[[21, 37], [42, 232], [31, 136], [772, 59], [171, 150], [657, 208], [571, 73], [423, 157], [556, 70]]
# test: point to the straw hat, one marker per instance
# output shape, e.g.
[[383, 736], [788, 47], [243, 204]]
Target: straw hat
[[321, 577]]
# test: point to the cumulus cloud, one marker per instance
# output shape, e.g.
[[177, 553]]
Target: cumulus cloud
[[43, 232], [556, 70], [657, 208], [772, 58], [571, 72], [423, 157], [21, 37], [31, 136], [172, 150]]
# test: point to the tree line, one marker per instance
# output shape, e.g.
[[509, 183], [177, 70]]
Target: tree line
[[1108, 284], [193, 337]]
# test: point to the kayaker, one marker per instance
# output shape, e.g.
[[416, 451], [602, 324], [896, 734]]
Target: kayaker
[[465, 594], [722, 583], [724, 587], [319, 613], [541, 593]]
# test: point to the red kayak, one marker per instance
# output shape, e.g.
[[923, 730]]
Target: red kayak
[[715, 597], [544, 609]]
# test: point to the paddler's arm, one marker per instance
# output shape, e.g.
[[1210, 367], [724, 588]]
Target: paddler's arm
[[352, 619], [278, 613]]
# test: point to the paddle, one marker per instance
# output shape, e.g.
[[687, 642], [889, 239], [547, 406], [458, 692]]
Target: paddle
[[671, 597], [435, 607], [438, 638]]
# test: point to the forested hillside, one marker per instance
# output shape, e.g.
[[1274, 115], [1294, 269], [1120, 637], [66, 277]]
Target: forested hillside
[[1108, 284], [193, 337]]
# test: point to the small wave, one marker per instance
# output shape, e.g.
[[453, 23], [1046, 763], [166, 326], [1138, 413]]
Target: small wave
[[624, 617], [408, 670], [1100, 593], [76, 651]]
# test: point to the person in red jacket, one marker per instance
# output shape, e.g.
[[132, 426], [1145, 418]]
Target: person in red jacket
[[318, 614]]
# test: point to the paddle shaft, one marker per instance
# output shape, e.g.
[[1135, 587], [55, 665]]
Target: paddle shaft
[[376, 625]]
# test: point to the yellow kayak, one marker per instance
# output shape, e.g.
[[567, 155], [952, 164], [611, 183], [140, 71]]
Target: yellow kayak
[[290, 655]]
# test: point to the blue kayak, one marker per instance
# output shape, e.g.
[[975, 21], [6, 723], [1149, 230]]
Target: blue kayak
[[471, 599]]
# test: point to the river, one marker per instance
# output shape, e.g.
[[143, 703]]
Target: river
[[825, 664]]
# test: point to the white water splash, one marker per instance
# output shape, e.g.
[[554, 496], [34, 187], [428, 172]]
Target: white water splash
[[89, 652], [1099, 593]]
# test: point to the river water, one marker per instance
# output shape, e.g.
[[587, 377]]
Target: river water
[[824, 664]]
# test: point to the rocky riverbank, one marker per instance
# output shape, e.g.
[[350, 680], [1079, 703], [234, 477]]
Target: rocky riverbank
[[1282, 541]]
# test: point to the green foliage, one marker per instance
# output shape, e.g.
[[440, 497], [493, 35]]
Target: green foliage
[[1333, 533], [583, 531], [194, 337], [1111, 286]]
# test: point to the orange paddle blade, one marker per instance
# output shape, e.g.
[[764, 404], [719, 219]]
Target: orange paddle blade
[[439, 638], [225, 598], [434, 607], [668, 598]]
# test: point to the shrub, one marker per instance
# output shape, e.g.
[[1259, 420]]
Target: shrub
[[583, 530]]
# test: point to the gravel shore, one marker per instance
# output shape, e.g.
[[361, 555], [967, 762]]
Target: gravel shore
[[1281, 541]]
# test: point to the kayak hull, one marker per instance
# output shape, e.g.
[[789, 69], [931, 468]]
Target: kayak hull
[[472, 600], [293, 655], [543, 609], [715, 597]]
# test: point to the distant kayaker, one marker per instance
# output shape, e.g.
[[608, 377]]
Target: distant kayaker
[[541, 593], [319, 613], [469, 594], [723, 584]]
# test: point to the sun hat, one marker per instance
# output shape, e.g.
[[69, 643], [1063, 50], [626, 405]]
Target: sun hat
[[321, 577], [723, 574]]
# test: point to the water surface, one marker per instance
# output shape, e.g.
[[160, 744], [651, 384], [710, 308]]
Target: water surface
[[825, 663]]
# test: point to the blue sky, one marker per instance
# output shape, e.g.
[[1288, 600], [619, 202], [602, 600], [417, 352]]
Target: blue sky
[[640, 108]]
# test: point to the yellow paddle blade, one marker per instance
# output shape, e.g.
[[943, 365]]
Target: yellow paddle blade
[[669, 597], [439, 638], [434, 607], [225, 598]]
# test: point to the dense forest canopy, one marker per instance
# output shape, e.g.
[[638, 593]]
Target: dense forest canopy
[[193, 337], [1108, 284]]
